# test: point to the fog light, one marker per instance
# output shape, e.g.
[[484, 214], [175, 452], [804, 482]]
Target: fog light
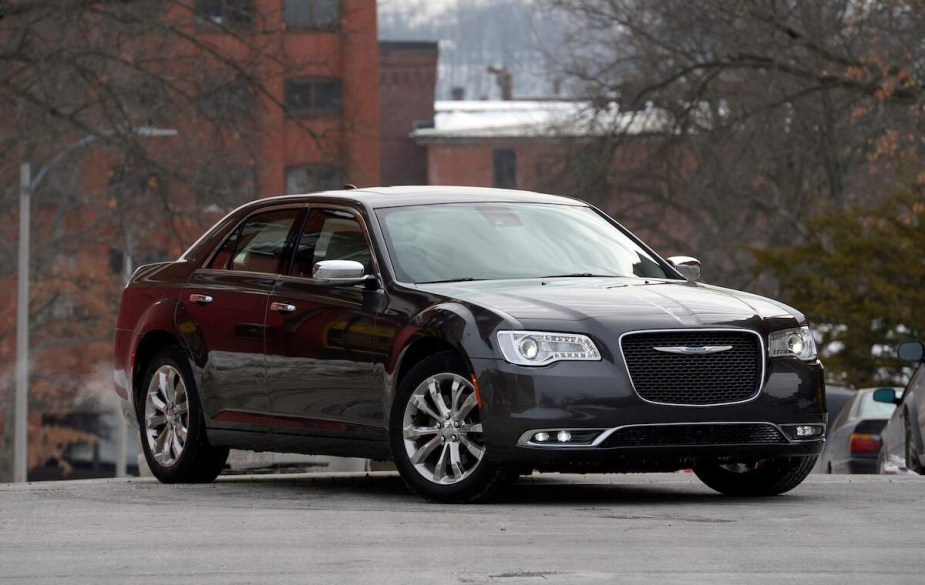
[[561, 437], [804, 432], [807, 431]]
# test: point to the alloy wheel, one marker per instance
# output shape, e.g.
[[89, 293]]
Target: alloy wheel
[[166, 419], [441, 429]]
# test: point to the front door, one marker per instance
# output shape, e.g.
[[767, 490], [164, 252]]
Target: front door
[[320, 339], [223, 318]]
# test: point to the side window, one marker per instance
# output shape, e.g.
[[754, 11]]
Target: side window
[[259, 245], [330, 234], [221, 258]]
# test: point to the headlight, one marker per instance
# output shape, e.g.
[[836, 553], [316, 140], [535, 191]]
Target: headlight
[[538, 348], [792, 343]]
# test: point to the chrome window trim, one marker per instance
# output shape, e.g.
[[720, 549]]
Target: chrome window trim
[[257, 211], [376, 267], [762, 355], [524, 440]]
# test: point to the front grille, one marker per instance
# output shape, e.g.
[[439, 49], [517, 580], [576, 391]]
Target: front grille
[[669, 378], [699, 434]]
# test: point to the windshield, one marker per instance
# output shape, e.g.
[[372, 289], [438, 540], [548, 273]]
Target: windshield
[[486, 241]]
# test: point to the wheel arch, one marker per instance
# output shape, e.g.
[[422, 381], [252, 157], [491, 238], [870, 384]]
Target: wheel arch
[[450, 326], [915, 427], [422, 348], [149, 345]]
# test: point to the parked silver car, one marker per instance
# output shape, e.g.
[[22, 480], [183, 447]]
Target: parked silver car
[[902, 438]]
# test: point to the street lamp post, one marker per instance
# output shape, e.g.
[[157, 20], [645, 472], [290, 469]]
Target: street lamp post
[[27, 186], [21, 415]]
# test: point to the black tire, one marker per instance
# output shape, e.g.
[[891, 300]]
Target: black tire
[[912, 455], [769, 477], [881, 460], [487, 477], [198, 462]]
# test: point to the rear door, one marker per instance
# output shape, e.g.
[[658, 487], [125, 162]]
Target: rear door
[[223, 318], [320, 338]]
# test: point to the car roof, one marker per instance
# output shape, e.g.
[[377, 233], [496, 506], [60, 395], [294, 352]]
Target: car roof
[[378, 197]]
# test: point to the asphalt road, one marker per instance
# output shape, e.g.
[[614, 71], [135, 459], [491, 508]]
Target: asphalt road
[[368, 529]]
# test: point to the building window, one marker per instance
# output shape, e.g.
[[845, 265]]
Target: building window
[[232, 101], [315, 14], [504, 164], [231, 13], [311, 178], [313, 97], [116, 261]]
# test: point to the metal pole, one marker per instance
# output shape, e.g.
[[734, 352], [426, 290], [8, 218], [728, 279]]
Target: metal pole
[[122, 430], [26, 186], [21, 418]]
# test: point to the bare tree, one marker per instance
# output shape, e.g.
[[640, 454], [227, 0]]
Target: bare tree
[[772, 108], [98, 73]]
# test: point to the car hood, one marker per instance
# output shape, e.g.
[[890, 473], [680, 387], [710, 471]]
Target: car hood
[[626, 303]]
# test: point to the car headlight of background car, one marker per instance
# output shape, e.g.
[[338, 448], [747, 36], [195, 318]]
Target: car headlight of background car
[[797, 343], [539, 348]]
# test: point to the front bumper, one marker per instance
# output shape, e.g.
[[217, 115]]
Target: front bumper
[[517, 401]]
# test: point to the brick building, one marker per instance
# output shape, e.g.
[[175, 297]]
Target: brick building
[[316, 122], [329, 133], [540, 145], [517, 144], [408, 79]]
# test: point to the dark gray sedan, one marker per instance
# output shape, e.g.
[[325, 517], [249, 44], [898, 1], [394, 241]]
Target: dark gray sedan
[[470, 335]]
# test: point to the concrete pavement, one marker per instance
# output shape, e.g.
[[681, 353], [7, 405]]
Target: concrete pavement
[[368, 529]]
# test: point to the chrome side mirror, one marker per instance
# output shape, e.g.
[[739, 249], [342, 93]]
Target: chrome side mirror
[[340, 272], [687, 266]]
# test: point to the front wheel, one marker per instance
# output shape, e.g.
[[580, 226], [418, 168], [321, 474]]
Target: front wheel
[[765, 477], [436, 434]]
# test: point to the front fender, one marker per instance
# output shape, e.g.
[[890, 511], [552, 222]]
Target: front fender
[[451, 325]]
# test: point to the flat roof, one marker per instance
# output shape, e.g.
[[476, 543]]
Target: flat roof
[[493, 119]]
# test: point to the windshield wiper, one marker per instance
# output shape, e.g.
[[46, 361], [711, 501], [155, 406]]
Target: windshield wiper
[[466, 279], [580, 275]]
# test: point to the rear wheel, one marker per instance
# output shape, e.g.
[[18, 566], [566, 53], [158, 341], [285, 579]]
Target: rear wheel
[[173, 434], [437, 437], [765, 477]]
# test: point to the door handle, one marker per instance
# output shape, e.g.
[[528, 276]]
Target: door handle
[[200, 299], [282, 307]]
